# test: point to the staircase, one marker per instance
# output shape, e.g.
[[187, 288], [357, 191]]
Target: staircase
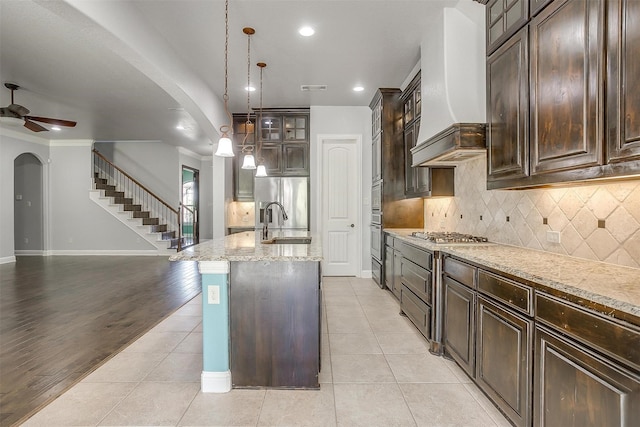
[[136, 207]]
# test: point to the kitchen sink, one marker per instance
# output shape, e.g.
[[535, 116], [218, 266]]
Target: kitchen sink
[[288, 240]]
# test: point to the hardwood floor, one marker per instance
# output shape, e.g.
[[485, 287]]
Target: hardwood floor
[[60, 317]]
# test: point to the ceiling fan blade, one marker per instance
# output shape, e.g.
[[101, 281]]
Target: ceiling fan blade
[[59, 122], [34, 126], [18, 109]]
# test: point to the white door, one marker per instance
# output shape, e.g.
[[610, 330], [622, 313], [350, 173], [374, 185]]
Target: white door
[[341, 197]]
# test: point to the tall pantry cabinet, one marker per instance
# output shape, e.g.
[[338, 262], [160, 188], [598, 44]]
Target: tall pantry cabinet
[[388, 205]]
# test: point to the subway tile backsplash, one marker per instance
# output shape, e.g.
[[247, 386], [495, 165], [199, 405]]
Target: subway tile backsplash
[[599, 222]]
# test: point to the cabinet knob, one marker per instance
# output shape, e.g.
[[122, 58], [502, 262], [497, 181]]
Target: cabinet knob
[[352, 225]]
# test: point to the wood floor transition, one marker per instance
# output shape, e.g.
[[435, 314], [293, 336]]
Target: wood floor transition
[[62, 316]]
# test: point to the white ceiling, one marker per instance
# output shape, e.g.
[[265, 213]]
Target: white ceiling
[[133, 70]]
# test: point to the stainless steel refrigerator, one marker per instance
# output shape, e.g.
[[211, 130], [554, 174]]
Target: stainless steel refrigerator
[[291, 192]]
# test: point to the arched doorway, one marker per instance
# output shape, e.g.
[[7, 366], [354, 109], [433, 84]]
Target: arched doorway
[[28, 209]]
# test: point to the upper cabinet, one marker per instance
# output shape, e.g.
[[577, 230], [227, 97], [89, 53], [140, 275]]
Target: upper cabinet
[[562, 100], [623, 80], [416, 180], [504, 18], [285, 142]]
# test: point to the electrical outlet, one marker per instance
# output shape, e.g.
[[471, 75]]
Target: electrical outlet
[[26, 240], [213, 294], [553, 236]]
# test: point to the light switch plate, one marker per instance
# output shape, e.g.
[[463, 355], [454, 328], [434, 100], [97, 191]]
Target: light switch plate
[[213, 294]]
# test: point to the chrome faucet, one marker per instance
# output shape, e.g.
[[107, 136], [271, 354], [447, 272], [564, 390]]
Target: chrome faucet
[[267, 218]]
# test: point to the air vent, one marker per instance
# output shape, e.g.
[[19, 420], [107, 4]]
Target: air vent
[[313, 88]]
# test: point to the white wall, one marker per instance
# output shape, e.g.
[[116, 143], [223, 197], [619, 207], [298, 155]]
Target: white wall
[[11, 146], [77, 223], [343, 121], [154, 164]]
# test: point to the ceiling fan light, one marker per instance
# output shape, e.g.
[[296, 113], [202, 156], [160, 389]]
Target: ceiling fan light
[[225, 148], [11, 121], [249, 162], [262, 171]]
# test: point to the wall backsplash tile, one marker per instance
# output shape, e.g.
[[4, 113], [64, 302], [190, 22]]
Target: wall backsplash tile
[[241, 214], [572, 211]]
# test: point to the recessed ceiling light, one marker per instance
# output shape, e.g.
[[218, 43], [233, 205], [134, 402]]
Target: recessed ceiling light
[[55, 128], [358, 88], [180, 127], [250, 89], [306, 31]]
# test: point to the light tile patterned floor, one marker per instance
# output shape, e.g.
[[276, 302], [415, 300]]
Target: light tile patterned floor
[[376, 371]]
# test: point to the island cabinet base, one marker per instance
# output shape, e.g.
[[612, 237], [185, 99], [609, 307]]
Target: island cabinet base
[[275, 324]]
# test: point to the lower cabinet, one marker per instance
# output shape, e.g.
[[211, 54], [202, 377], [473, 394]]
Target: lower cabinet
[[574, 386], [459, 324], [376, 271], [416, 310], [503, 359]]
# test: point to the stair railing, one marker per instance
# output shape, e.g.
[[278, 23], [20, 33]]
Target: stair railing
[[141, 195], [188, 226]]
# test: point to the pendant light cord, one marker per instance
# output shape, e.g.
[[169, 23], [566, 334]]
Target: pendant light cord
[[226, 129], [248, 31]]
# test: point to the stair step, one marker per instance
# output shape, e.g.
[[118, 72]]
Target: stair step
[[131, 207], [143, 214], [105, 187], [158, 227], [123, 200], [100, 180], [113, 193], [168, 235], [152, 221]]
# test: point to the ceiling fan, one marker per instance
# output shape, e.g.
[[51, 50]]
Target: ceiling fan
[[18, 112]]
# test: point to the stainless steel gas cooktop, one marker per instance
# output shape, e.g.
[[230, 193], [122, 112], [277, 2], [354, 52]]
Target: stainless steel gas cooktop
[[447, 237]]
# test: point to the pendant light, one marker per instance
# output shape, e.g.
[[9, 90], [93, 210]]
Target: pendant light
[[249, 161], [262, 170], [225, 147]]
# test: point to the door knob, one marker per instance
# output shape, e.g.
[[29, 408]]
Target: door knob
[[352, 225]]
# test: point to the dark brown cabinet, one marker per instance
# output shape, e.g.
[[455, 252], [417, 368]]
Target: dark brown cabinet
[[566, 89], [504, 345], [285, 142], [623, 82], [274, 315], [392, 267], [508, 109], [504, 17], [416, 180], [582, 121]]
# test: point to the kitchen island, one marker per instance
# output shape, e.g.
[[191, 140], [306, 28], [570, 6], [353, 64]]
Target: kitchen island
[[260, 309]]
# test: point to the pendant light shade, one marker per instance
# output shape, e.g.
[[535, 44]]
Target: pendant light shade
[[225, 147], [249, 162], [262, 171]]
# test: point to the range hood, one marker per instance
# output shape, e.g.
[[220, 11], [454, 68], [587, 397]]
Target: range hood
[[452, 66], [458, 143]]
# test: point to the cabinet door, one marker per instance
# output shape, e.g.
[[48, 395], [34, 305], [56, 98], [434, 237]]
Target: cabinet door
[[508, 109], [536, 6], [295, 159], [272, 154], [623, 80], [376, 158], [504, 18], [566, 89], [503, 359], [459, 324], [376, 242], [397, 271], [388, 267], [575, 387], [271, 128], [296, 128]]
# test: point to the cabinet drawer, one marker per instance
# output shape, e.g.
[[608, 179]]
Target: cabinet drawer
[[463, 273], [416, 278], [376, 242], [376, 196], [376, 217], [614, 339], [416, 310], [515, 295], [418, 256]]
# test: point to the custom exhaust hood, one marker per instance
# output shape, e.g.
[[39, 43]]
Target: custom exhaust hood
[[452, 128]]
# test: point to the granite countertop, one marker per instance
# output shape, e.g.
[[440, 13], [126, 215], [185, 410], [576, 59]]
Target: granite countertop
[[247, 246], [610, 285]]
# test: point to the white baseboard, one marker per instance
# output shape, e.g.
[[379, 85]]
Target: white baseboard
[[366, 274], [7, 259], [215, 382], [114, 252], [27, 252]]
